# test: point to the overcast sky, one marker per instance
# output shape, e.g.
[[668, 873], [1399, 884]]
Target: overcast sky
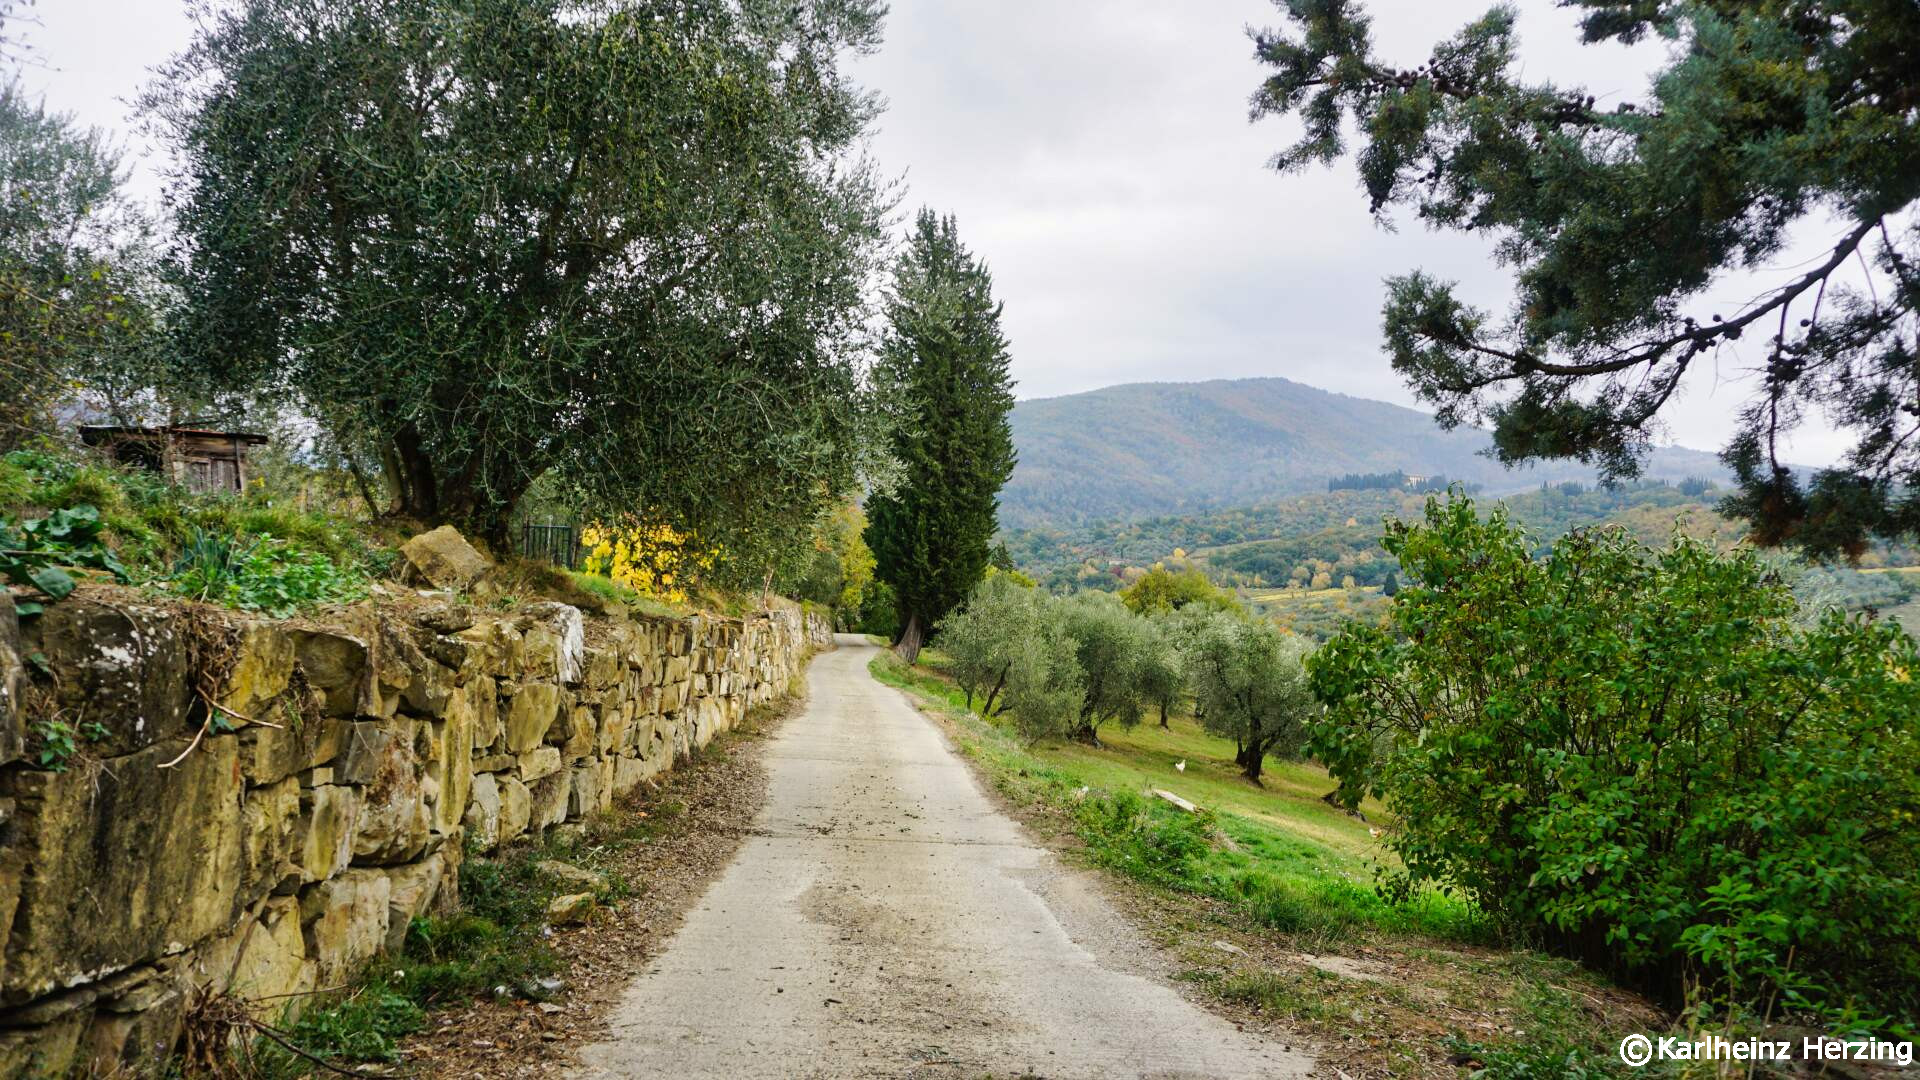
[[1099, 156]]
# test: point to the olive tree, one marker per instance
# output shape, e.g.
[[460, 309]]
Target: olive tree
[[1111, 645], [482, 239], [1250, 685], [76, 291], [984, 637]]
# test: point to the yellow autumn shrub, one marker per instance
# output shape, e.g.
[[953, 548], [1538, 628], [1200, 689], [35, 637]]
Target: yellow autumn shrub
[[651, 558]]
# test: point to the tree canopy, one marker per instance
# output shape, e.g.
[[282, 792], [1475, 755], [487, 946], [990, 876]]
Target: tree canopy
[[482, 239], [73, 294], [1767, 117], [942, 376]]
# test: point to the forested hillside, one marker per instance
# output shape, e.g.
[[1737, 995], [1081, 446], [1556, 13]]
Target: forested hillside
[[1258, 540], [1314, 560], [1147, 449]]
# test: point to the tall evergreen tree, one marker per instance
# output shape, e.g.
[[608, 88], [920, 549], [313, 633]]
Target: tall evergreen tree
[[1620, 219], [942, 375]]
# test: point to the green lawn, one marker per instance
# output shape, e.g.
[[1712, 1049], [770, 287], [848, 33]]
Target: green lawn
[[1280, 851]]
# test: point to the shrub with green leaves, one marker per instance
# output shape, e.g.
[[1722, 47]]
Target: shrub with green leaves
[[1637, 756], [34, 552], [260, 574]]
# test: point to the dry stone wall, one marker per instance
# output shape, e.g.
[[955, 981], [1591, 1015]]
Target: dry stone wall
[[353, 767]]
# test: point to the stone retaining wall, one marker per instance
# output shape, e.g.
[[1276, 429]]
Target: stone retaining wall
[[354, 768]]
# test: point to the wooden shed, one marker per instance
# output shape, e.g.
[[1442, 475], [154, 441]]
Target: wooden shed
[[200, 459]]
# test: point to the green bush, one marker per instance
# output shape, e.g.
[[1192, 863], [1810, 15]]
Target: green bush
[[33, 552], [260, 574], [1638, 756], [1142, 838]]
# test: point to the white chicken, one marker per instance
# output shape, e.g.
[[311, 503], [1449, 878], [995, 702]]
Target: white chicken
[[1180, 766]]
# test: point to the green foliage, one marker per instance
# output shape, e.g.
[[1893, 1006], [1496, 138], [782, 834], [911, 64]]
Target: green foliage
[[33, 551], [1162, 674], [984, 637], [1620, 221], [835, 566], [1250, 685], [1009, 648], [75, 299], [365, 1025], [1161, 590], [1640, 756], [1536, 1058], [636, 259], [244, 551], [1143, 838], [1111, 646], [942, 379], [59, 741], [260, 574]]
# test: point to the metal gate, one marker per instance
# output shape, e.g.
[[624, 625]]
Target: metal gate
[[556, 544]]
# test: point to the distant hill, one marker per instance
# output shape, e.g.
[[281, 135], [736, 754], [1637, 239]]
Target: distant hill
[[1145, 449]]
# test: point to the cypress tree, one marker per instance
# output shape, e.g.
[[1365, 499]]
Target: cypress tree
[[942, 376]]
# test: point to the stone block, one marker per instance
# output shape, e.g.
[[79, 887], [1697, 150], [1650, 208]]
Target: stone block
[[535, 707], [482, 814], [583, 793], [124, 667], [410, 892], [345, 921], [450, 767], [271, 754], [538, 762], [330, 816], [627, 774], [50, 1051], [262, 666], [269, 838], [443, 558], [516, 809], [126, 1041], [572, 908], [395, 823], [603, 668], [336, 667], [548, 801], [273, 966], [127, 862]]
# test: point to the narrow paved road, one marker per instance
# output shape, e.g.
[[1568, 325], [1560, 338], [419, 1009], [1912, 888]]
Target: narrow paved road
[[887, 920]]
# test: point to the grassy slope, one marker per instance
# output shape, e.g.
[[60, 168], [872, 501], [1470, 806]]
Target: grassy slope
[[1299, 874], [1293, 861]]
